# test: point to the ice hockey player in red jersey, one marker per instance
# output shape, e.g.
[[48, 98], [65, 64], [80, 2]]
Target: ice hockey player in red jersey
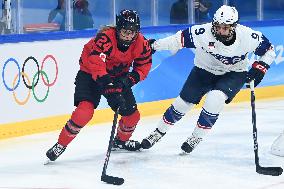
[[117, 58]]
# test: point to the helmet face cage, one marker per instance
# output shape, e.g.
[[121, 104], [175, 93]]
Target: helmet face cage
[[223, 38], [128, 20], [228, 16]]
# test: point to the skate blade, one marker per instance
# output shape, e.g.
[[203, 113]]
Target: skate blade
[[121, 150], [118, 151], [183, 153], [47, 161]]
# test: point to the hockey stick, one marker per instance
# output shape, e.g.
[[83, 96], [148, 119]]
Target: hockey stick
[[107, 178], [273, 171]]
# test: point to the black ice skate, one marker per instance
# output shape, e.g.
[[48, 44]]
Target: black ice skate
[[154, 137], [190, 144], [130, 145], [54, 152]]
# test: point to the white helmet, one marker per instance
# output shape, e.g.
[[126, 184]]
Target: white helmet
[[226, 15]]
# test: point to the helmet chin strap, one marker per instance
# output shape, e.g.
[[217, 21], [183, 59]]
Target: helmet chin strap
[[223, 38], [228, 40], [124, 43]]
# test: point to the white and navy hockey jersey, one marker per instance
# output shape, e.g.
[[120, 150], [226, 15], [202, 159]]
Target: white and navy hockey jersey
[[215, 57]]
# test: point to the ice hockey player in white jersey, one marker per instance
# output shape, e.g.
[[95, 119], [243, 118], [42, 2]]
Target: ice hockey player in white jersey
[[220, 71], [277, 147]]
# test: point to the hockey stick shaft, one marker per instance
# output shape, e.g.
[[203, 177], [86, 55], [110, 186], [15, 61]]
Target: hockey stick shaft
[[110, 142], [273, 171], [252, 94], [104, 177]]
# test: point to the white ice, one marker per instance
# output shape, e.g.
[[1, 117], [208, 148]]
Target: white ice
[[225, 159]]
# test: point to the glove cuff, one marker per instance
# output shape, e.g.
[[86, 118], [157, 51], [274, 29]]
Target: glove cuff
[[112, 90], [261, 66], [134, 77]]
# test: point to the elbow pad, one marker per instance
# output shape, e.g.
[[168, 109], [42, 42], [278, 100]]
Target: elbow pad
[[269, 56]]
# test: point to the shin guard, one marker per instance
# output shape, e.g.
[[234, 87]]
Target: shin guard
[[127, 125], [170, 117], [173, 114], [213, 105], [205, 122], [80, 117]]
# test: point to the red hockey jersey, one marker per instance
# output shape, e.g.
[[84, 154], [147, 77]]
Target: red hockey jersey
[[101, 56]]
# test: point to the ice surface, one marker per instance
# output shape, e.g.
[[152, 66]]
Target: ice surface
[[225, 159]]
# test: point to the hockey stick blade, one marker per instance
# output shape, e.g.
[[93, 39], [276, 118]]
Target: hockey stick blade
[[273, 171], [112, 180]]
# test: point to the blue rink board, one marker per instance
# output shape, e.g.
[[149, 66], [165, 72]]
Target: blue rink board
[[169, 72]]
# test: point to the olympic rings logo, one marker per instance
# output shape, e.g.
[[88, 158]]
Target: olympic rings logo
[[35, 79]]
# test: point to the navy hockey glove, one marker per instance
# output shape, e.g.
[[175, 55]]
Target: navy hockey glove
[[257, 72], [129, 80], [151, 44]]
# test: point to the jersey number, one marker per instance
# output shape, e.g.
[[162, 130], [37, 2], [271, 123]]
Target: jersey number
[[255, 36], [199, 31], [103, 43]]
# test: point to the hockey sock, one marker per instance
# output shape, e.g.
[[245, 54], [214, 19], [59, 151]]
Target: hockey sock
[[173, 114], [205, 122], [127, 125], [80, 117], [214, 103]]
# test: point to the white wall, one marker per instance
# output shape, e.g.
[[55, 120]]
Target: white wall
[[60, 98]]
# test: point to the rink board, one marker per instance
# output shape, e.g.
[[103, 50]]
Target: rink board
[[59, 59], [106, 115]]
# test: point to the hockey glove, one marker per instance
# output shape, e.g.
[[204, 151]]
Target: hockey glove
[[113, 94], [129, 80], [257, 72], [151, 44]]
